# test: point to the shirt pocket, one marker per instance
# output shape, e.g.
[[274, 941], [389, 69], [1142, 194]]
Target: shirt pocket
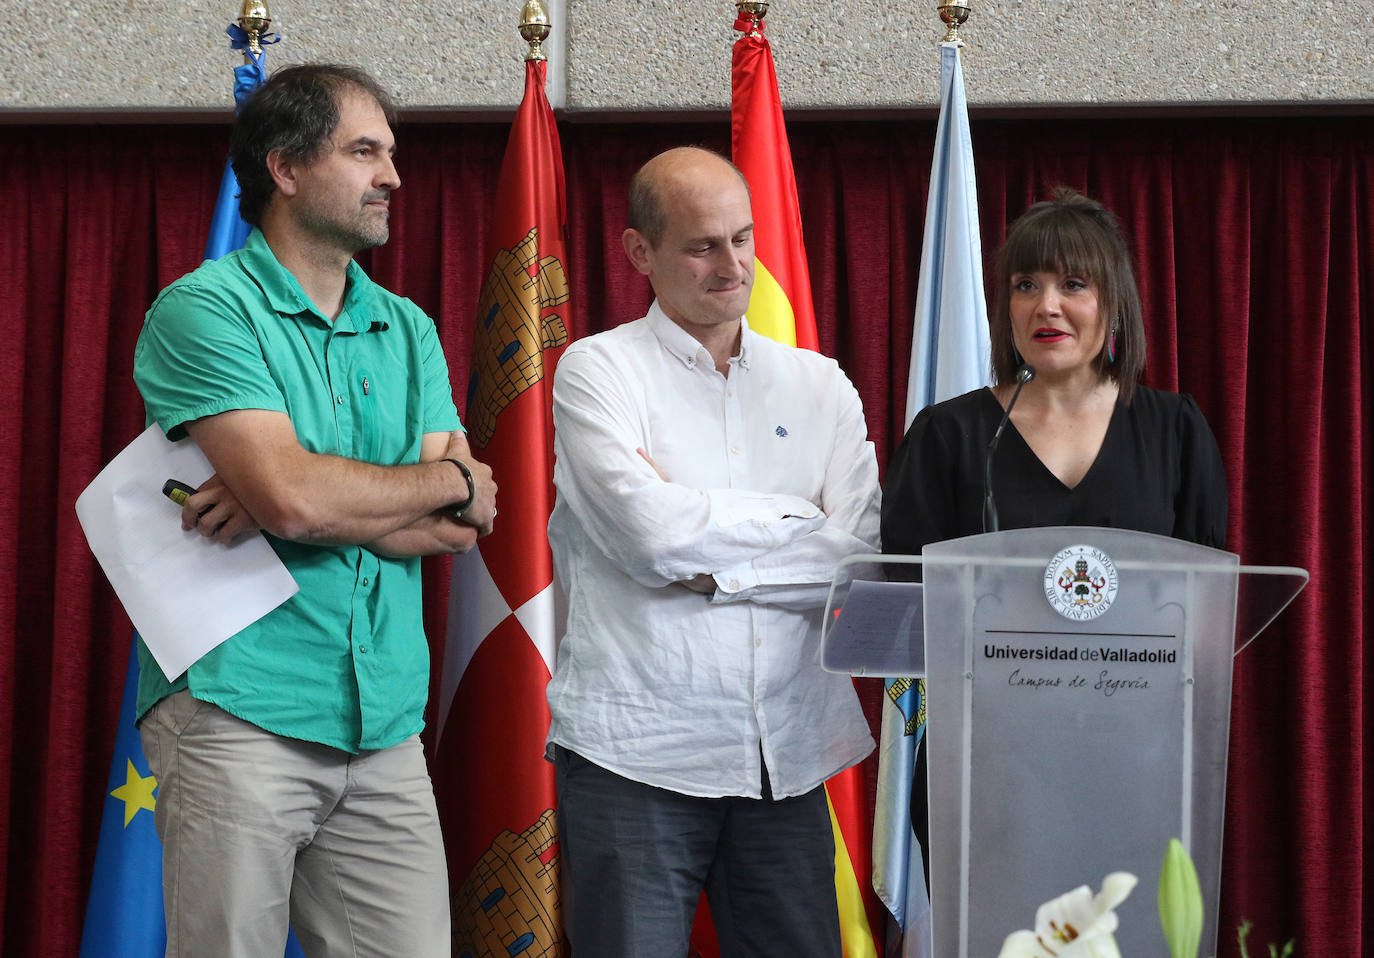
[[387, 417], [369, 426]]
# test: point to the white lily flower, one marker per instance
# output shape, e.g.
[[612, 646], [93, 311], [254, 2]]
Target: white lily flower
[[1077, 924]]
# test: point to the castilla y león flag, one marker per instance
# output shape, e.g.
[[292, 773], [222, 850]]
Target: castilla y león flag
[[495, 791]]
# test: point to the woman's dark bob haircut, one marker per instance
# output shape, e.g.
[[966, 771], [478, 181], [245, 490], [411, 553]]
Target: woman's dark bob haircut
[[1079, 237]]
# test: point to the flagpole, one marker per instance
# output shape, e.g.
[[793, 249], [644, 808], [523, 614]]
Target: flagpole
[[954, 15], [254, 19], [780, 304], [755, 10], [494, 789], [950, 355], [781, 307], [124, 911], [248, 34], [534, 28]]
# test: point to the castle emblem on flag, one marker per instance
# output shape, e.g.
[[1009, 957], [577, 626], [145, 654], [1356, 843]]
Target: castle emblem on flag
[[516, 322], [1081, 582], [509, 904]]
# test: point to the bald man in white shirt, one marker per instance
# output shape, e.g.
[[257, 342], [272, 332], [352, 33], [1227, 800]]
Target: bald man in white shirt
[[709, 479]]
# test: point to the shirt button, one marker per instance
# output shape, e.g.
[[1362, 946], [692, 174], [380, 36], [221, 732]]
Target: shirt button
[[734, 585], [362, 650], [364, 580], [734, 450], [340, 400], [758, 643]]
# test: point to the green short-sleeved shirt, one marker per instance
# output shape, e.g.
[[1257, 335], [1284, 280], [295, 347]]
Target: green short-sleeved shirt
[[344, 662]]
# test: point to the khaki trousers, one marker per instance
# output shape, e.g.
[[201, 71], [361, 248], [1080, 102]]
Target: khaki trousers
[[259, 831]]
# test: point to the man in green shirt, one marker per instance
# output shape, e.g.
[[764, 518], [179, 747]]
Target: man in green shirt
[[292, 786]]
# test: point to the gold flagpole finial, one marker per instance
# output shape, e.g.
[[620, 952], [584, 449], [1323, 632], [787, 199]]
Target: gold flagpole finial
[[953, 15], [534, 27], [254, 19], [754, 10]]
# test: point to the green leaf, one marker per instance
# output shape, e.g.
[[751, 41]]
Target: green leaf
[[1180, 902]]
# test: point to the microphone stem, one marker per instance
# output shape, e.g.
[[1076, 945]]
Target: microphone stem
[[990, 523]]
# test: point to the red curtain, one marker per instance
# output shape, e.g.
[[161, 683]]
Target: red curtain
[[1255, 240]]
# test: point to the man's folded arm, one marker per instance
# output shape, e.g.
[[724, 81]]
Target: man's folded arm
[[434, 533], [798, 574], [658, 532], [329, 500]]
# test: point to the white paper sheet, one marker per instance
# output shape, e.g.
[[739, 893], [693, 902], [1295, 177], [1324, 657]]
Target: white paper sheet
[[184, 593]]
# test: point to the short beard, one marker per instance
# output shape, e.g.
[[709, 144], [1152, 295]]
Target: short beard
[[354, 236]]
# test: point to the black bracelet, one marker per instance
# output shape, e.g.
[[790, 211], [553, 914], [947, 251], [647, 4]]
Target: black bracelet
[[461, 506]]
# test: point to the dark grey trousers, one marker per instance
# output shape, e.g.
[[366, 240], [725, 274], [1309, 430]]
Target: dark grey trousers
[[635, 859]]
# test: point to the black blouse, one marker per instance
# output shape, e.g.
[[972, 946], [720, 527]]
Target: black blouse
[[1159, 470]]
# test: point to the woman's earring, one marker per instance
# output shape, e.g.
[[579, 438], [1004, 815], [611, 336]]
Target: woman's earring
[[1111, 346]]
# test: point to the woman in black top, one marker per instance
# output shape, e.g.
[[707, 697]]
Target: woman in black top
[[1086, 444]]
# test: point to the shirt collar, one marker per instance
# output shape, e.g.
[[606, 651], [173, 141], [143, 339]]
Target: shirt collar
[[284, 293], [684, 345]]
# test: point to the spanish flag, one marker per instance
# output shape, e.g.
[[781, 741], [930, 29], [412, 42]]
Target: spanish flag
[[780, 307]]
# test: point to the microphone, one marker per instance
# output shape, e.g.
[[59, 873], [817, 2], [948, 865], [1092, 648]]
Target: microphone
[[1024, 374]]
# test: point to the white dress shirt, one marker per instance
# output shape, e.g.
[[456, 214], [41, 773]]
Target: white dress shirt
[[771, 480]]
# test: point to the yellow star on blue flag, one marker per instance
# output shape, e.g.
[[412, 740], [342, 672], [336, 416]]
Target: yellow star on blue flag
[[136, 793], [124, 917]]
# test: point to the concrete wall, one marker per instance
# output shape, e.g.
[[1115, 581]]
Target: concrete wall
[[161, 57]]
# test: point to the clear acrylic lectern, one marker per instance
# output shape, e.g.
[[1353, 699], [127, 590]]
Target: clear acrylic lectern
[[1079, 701]]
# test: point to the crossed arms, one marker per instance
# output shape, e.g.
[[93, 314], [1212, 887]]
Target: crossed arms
[[265, 479], [660, 529]]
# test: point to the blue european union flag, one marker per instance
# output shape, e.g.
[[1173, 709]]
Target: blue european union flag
[[124, 914]]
